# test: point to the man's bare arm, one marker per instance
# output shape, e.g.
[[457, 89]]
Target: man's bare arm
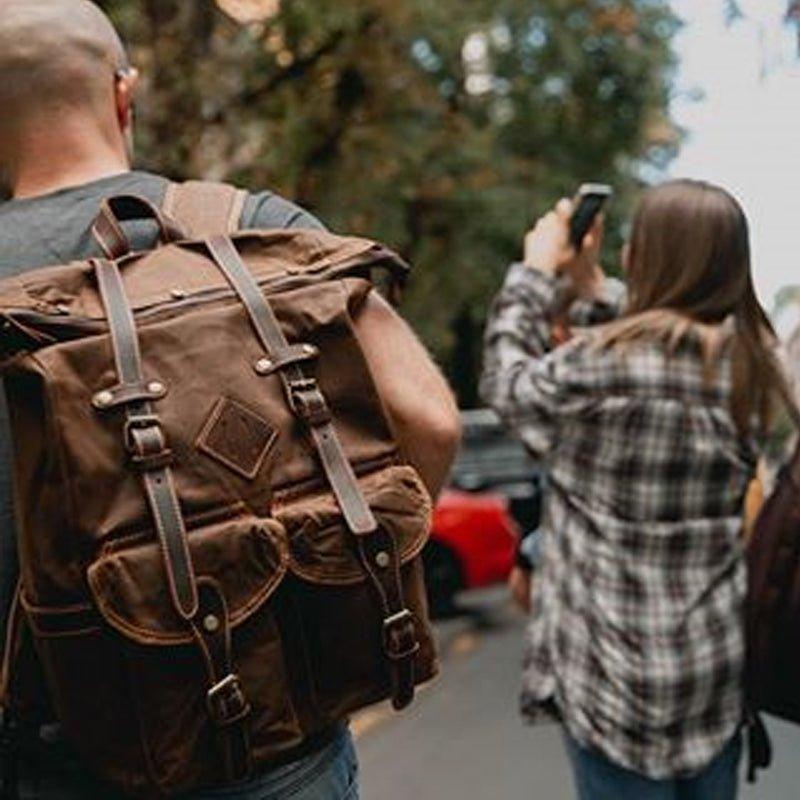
[[420, 405]]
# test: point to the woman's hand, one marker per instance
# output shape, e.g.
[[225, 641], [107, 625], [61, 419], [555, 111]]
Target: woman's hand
[[548, 249], [519, 586]]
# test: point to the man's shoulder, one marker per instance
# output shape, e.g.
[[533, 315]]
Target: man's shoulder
[[267, 209], [56, 228]]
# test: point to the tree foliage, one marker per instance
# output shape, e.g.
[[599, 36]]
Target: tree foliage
[[439, 126]]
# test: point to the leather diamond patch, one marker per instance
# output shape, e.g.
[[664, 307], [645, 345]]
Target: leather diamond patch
[[237, 437]]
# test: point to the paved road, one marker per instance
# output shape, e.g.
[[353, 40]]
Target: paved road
[[463, 739]]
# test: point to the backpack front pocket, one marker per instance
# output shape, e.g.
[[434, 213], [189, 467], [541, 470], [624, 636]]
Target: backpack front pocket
[[342, 615], [157, 700]]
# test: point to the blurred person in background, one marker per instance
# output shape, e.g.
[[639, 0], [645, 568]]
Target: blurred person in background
[[648, 427], [67, 93]]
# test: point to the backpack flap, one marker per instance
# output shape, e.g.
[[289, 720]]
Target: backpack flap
[[246, 557], [342, 578]]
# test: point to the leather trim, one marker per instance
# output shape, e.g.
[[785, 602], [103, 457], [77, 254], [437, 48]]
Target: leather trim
[[204, 444], [204, 208], [228, 706], [143, 435], [108, 232], [337, 467], [260, 567]]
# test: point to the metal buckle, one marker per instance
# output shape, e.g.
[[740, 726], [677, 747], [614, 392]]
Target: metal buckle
[[400, 616], [226, 701], [308, 402], [143, 422], [403, 623]]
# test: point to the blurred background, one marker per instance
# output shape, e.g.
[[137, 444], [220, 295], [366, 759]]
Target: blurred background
[[443, 127]]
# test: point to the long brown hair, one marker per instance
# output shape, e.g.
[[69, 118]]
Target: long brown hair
[[689, 272]]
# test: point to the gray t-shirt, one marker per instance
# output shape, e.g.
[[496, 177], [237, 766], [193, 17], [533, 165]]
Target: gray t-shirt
[[56, 229]]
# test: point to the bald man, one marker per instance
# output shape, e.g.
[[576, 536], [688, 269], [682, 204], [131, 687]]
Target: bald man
[[66, 103]]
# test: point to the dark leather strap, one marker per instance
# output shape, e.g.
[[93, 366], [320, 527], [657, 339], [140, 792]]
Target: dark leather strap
[[108, 232], [377, 549], [381, 561], [302, 390], [227, 703], [197, 603], [146, 443]]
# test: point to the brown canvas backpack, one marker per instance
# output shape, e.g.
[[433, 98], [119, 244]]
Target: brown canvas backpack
[[219, 540]]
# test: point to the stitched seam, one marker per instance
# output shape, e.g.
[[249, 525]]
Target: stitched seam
[[173, 499], [201, 443], [98, 586], [161, 536]]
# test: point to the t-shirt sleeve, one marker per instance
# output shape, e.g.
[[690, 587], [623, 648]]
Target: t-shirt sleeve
[[269, 210]]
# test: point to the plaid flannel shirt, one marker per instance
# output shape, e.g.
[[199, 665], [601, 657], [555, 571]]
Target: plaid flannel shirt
[[636, 641]]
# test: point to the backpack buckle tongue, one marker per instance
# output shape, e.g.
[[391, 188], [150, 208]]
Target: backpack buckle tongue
[[146, 442], [227, 702], [400, 635], [308, 402]]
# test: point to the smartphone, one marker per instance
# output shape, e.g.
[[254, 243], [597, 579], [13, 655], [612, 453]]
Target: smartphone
[[589, 203]]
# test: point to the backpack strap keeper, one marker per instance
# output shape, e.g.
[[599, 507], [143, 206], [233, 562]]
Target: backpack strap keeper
[[308, 402]]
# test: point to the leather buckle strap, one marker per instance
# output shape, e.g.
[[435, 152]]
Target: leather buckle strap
[[381, 561], [308, 402], [400, 636], [128, 393], [227, 702], [137, 425], [303, 395], [286, 357], [146, 442]]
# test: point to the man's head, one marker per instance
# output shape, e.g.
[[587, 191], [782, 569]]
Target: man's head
[[64, 75]]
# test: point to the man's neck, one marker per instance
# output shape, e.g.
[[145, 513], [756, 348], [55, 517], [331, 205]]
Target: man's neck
[[45, 166], [37, 182]]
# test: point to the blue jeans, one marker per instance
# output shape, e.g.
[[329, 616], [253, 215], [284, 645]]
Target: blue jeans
[[597, 778], [329, 774]]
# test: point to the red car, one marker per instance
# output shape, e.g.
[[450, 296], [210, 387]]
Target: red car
[[472, 544]]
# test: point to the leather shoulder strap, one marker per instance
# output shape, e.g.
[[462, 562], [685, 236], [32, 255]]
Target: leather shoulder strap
[[204, 208]]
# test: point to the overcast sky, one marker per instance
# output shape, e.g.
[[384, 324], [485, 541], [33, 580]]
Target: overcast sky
[[745, 133]]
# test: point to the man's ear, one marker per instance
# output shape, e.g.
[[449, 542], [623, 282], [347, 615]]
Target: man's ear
[[124, 93]]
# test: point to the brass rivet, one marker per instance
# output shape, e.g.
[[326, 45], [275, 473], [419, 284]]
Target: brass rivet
[[383, 559], [310, 349], [211, 623], [177, 294], [155, 387], [102, 399], [263, 366]]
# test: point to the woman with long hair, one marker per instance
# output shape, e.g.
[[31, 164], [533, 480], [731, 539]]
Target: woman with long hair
[[648, 427]]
